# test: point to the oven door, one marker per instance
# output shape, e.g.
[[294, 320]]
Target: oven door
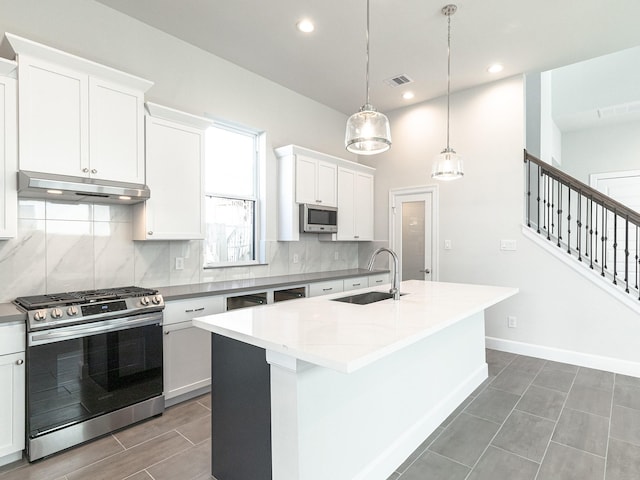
[[78, 373]]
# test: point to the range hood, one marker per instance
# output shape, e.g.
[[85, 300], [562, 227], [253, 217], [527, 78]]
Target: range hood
[[79, 189]]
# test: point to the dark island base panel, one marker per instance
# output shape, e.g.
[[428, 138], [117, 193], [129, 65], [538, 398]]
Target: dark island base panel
[[241, 411]]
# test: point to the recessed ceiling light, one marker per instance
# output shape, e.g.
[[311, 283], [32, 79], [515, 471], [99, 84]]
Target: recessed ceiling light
[[495, 68], [408, 95], [305, 25]]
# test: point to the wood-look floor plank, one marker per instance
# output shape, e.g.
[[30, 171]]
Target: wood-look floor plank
[[172, 417], [197, 431], [186, 465], [205, 400], [140, 476], [133, 460]]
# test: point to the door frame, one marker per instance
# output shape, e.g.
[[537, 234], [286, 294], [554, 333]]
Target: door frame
[[433, 190]]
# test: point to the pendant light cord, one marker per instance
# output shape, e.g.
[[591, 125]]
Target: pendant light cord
[[367, 40], [448, 76]]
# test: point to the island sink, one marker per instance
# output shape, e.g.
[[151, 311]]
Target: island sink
[[365, 298]]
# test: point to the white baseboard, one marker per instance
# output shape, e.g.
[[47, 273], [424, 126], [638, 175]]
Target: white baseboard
[[610, 364]]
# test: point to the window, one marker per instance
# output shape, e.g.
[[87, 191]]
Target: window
[[231, 196]]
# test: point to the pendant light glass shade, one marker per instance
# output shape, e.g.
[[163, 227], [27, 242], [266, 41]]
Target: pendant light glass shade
[[368, 130], [448, 164]]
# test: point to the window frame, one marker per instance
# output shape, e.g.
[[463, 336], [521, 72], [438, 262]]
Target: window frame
[[256, 198]]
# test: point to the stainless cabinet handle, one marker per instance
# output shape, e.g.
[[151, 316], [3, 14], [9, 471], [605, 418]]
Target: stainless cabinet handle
[[426, 270], [85, 170], [19, 361], [318, 201], [327, 289], [355, 284], [356, 236], [199, 309], [150, 232], [378, 281], [93, 170], [167, 332]]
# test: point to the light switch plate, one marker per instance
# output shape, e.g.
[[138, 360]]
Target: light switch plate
[[508, 245]]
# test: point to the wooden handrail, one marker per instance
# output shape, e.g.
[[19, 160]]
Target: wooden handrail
[[585, 190]]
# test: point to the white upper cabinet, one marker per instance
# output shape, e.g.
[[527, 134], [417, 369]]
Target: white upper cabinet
[[306, 176], [8, 151], [175, 176], [77, 117], [355, 205], [315, 181]]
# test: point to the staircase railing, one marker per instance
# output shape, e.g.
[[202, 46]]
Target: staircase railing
[[592, 227]]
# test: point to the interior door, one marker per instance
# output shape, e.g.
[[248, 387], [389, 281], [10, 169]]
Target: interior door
[[414, 232]]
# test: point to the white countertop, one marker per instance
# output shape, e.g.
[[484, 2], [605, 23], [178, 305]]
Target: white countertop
[[347, 337]]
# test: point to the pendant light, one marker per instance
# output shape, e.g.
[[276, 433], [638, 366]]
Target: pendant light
[[448, 165], [368, 130]]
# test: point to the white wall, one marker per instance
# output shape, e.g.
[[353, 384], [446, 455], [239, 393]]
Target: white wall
[[58, 249], [559, 314]]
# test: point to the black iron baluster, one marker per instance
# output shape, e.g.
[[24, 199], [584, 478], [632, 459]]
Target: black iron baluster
[[545, 186], [579, 223], [603, 252], [553, 206], [596, 235], [538, 197], [559, 213], [569, 220], [588, 230], [528, 191], [615, 247], [626, 254]]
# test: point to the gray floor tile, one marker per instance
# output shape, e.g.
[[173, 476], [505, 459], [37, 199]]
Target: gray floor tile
[[627, 395], [497, 464], [456, 412], [625, 424], [555, 380], [529, 365], [588, 377], [431, 465], [482, 387], [513, 381], [494, 405], [590, 400], [584, 431], [566, 463], [623, 461], [627, 380], [561, 367], [420, 450], [497, 361], [525, 435], [542, 402], [185, 465], [394, 476], [465, 439]]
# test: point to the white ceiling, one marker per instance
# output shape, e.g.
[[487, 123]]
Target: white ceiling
[[406, 37]]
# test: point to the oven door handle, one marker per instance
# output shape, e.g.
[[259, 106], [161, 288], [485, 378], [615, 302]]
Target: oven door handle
[[79, 331]]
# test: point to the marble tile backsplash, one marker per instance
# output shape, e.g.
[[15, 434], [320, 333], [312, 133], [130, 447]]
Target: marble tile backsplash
[[65, 246]]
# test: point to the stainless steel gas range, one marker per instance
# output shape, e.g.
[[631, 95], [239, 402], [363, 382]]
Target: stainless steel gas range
[[94, 364]]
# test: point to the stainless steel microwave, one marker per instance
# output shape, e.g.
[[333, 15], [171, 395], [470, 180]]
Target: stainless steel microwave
[[318, 219]]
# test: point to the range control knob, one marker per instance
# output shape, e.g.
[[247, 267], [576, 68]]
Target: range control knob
[[72, 310], [157, 299], [56, 313], [40, 315], [144, 301]]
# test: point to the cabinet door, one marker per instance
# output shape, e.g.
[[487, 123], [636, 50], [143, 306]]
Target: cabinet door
[[116, 132], [53, 120], [363, 201], [326, 192], [178, 311], [346, 204], [306, 179], [325, 288], [174, 155], [8, 159], [12, 401], [187, 359]]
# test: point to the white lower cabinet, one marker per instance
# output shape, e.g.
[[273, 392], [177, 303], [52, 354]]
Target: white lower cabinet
[[355, 283], [12, 397], [379, 279], [325, 288], [187, 349]]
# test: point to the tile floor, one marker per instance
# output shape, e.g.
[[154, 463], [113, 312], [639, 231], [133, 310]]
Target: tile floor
[[531, 419]]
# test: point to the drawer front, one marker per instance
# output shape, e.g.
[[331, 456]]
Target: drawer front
[[355, 283], [12, 339], [176, 311], [380, 279], [325, 288]]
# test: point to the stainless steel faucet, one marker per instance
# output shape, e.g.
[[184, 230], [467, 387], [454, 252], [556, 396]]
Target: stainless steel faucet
[[395, 279]]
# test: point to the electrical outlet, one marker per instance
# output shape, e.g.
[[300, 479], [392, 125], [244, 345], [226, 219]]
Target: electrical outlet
[[179, 263], [512, 322], [447, 244], [296, 258], [508, 245]]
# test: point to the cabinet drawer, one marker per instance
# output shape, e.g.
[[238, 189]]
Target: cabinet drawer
[[12, 339], [380, 279], [325, 288], [176, 311], [355, 283]]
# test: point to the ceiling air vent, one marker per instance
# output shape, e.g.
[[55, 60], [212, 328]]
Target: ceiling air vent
[[398, 80]]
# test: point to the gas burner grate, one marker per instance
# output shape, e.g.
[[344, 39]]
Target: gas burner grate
[[36, 302]]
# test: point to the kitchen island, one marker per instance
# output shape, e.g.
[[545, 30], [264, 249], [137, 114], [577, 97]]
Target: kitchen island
[[316, 388]]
